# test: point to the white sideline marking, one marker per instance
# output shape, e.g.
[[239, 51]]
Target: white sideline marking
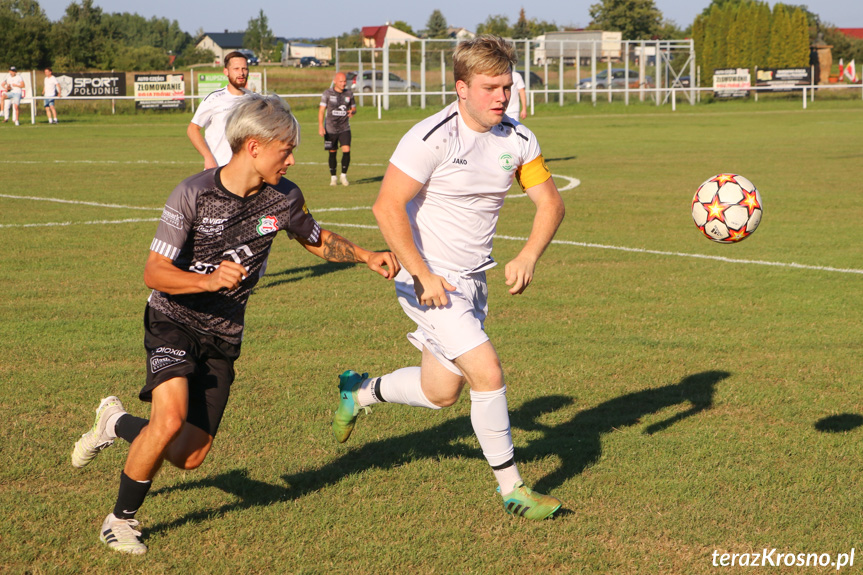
[[78, 202], [573, 182], [699, 256], [90, 223]]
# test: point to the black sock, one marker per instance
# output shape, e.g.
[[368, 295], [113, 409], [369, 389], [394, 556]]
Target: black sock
[[128, 427], [332, 163], [346, 161], [130, 497]]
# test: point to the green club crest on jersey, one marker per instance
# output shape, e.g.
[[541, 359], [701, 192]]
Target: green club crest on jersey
[[506, 161], [267, 224]]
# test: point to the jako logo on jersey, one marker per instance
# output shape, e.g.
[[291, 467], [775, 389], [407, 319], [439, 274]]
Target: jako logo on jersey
[[506, 161], [267, 224], [460, 161]]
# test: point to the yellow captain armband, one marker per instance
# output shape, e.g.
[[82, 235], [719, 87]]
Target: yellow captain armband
[[532, 173]]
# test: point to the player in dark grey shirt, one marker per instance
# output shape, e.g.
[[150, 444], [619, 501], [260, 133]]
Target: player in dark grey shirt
[[334, 114], [210, 250]]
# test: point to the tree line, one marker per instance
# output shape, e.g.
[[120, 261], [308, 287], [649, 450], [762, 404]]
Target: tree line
[[749, 34], [87, 38], [727, 34]]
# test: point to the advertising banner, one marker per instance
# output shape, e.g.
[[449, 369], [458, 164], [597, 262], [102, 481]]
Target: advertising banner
[[92, 84], [160, 92], [782, 79], [210, 82], [731, 83]]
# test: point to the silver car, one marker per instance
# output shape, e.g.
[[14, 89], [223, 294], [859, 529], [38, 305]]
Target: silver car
[[365, 84]]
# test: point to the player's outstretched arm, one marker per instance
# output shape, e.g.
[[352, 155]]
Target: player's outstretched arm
[[161, 274], [334, 248], [549, 214]]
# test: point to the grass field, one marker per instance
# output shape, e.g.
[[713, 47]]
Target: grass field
[[684, 399]]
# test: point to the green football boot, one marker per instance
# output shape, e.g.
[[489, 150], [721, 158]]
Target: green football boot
[[346, 414], [524, 502]]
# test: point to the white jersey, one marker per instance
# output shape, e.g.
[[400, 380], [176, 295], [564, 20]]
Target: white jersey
[[15, 83], [52, 87], [466, 176], [515, 100], [212, 115]]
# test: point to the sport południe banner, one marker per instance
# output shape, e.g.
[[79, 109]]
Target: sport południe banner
[[92, 84]]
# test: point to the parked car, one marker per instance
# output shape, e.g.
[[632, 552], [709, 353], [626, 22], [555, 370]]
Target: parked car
[[535, 79], [250, 56], [365, 84], [618, 80], [682, 82], [309, 62]]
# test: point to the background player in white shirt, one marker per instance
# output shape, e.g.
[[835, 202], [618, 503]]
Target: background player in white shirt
[[213, 112], [15, 91], [517, 109], [437, 209], [51, 90]]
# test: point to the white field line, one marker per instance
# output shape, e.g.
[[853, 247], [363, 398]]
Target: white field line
[[573, 183], [698, 256]]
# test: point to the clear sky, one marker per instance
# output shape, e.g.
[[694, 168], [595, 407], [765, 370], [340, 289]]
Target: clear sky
[[305, 19]]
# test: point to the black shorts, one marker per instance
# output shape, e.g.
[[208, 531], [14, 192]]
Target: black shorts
[[332, 142], [206, 361]]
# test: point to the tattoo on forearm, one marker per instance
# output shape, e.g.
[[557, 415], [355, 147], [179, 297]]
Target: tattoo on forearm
[[338, 249]]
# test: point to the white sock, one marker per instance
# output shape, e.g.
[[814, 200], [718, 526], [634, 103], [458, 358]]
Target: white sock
[[112, 422], [490, 419], [401, 386]]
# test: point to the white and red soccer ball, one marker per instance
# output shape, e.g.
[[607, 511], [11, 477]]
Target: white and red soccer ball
[[727, 208]]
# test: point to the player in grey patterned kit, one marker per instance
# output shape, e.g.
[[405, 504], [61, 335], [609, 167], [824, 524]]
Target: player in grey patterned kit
[[334, 124], [210, 250]]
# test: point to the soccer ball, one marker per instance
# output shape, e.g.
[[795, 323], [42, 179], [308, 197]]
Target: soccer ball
[[727, 208]]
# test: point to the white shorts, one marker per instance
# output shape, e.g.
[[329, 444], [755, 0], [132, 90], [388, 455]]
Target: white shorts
[[450, 331]]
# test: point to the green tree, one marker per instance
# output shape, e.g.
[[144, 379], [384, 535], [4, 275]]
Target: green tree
[[539, 27], [635, 19], [521, 29], [25, 40], [721, 4], [738, 37], [799, 50], [79, 37], [436, 27], [780, 33], [404, 27], [496, 24], [761, 35], [258, 36]]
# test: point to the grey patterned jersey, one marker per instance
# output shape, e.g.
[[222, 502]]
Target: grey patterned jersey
[[203, 224], [338, 104]]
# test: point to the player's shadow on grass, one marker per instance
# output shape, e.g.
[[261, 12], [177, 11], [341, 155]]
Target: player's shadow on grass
[[291, 275], [371, 180], [576, 443], [839, 423]]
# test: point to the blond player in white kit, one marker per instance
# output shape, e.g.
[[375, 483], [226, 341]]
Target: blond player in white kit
[[437, 209]]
